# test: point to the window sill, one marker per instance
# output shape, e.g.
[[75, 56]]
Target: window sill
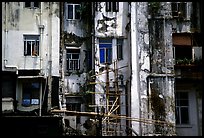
[[184, 126], [72, 19]]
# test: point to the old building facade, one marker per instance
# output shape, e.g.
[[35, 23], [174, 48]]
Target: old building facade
[[30, 54], [137, 65]]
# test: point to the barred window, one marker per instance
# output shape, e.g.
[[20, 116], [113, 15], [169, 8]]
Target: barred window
[[112, 6], [31, 45]]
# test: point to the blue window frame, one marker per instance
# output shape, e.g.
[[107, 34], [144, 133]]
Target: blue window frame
[[105, 46]]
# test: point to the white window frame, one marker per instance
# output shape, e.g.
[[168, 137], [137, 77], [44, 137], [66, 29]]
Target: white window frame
[[73, 12], [73, 64], [34, 42]]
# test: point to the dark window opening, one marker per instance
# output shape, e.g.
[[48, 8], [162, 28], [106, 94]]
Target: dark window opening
[[119, 49], [183, 52], [77, 12], [179, 9], [31, 92]]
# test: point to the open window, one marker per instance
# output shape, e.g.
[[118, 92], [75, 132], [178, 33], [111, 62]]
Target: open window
[[187, 48]]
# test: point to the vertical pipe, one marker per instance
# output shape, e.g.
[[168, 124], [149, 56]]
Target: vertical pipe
[[49, 104], [62, 54], [93, 47], [40, 104], [6, 33], [41, 27]]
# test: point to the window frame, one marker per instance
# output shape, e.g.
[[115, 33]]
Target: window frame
[[74, 12], [76, 62], [34, 41], [28, 90], [107, 50], [112, 6], [179, 9], [178, 109]]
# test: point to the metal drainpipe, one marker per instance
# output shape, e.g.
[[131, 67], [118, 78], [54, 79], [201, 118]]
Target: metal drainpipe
[[41, 27], [50, 58], [6, 42], [93, 45]]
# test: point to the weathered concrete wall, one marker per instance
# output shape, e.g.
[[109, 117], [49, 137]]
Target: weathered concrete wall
[[75, 36], [162, 69], [18, 21], [111, 23], [155, 56]]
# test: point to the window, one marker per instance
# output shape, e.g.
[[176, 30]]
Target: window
[[182, 107], [30, 93], [31, 45], [180, 54], [74, 107], [179, 9], [73, 59], [73, 11], [105, 46], [182, 42], [119, 49], [32, 4], [112, 6]]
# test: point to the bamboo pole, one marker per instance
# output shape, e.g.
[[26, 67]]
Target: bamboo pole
[[93, 114], [108, 71]]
